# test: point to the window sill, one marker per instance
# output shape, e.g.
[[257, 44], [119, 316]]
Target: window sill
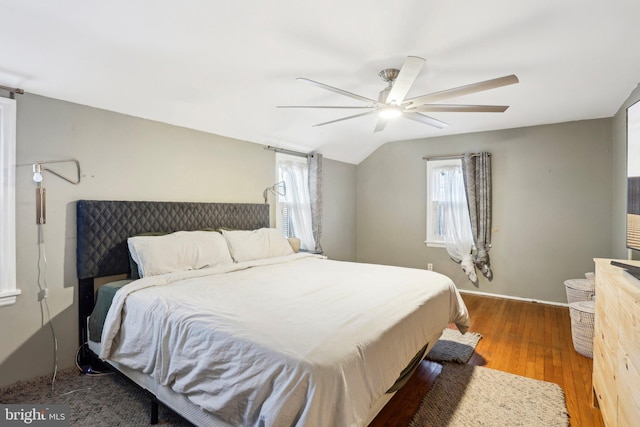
[[9, 297], [434, 244]]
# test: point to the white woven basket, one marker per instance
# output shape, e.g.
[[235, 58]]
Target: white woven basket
[[582, 317], [580, 289]]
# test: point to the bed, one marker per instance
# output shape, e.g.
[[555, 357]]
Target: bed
[[284, 339]]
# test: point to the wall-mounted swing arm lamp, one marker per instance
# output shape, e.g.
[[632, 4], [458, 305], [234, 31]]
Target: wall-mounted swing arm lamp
[[279, 188], [38, 169], [41, 192]]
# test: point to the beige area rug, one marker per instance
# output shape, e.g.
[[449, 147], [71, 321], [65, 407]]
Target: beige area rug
[[467, 396], [454, 346]]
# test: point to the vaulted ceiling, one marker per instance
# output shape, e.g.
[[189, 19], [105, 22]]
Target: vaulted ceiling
[[223, 67]]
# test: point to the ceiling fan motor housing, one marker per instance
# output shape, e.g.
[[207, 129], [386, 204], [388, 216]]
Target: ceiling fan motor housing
[[388, 75], [384, 94]]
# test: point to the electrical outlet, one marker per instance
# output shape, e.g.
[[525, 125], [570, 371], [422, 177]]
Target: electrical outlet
[[430, 267]]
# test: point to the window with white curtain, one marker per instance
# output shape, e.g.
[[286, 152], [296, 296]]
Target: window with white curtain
[[441, 181], [293, 209], [8, 289]]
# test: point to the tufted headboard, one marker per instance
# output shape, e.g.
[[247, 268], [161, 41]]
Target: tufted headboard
[[103, 228]]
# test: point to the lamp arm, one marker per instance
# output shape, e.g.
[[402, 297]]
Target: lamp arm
[[77, 163], [274, 190]]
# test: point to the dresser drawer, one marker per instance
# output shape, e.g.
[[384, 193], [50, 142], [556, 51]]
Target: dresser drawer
[[604, 379], [629, 327], [605, 391], [606, 292], [605, 334], [628, 380]]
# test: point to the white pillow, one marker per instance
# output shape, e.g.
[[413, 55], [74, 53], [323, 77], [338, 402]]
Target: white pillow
[[179, 251], [257, 244]]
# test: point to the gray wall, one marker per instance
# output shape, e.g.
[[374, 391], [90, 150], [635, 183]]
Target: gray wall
[[551, 205], [619, 191], [339, 240], [124, 158]]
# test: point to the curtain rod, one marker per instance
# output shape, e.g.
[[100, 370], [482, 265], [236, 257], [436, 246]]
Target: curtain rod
[[450, 157], [284, 151], [12, 91]]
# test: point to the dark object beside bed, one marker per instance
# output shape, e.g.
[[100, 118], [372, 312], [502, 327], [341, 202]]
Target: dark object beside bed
[[102, 304]]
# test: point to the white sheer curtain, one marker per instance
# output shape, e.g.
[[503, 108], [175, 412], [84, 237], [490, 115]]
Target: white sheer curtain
[[297, 201], [458, 238]]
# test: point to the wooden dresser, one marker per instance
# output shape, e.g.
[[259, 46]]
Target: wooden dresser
[[616, 345]]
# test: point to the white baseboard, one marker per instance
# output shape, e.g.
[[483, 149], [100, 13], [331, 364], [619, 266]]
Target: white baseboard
[[487, 294]]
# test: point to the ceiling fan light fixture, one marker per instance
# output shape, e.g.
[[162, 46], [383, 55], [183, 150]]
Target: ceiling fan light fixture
[[390, 112]]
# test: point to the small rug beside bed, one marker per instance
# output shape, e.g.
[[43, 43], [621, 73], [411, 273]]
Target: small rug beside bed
[[466, 395], [454, 346]]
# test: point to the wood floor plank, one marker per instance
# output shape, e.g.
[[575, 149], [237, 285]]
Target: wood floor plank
[[520, 337], [523, 343], [556, 342]]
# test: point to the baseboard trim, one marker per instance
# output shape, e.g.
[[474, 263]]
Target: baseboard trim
[[487, 294]]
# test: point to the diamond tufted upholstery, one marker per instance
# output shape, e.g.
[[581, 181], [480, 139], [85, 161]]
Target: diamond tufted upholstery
[[104, 226]]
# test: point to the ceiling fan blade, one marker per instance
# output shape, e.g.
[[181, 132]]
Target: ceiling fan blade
[[381, 124], [346, 118], [455, 108], [321, 106], [338, 91], [464, 90], [408, 74], [425, 119]]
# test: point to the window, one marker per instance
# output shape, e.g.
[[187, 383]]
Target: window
[[8, 289], [293, 209], [440, 174]]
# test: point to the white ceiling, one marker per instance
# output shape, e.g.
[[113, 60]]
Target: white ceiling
[[223, 66]]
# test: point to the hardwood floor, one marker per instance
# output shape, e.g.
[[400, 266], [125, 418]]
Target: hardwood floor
[[524, 338]]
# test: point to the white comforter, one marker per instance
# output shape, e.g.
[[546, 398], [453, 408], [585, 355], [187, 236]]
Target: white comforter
[[296, 340]]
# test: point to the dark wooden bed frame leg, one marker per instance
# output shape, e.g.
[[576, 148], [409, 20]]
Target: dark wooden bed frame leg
[[154, 410]]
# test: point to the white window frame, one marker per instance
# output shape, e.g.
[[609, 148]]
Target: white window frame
[[432, 239], [8, 290], [280, 199]]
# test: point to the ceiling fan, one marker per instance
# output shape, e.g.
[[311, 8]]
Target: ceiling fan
[[392, 100]]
